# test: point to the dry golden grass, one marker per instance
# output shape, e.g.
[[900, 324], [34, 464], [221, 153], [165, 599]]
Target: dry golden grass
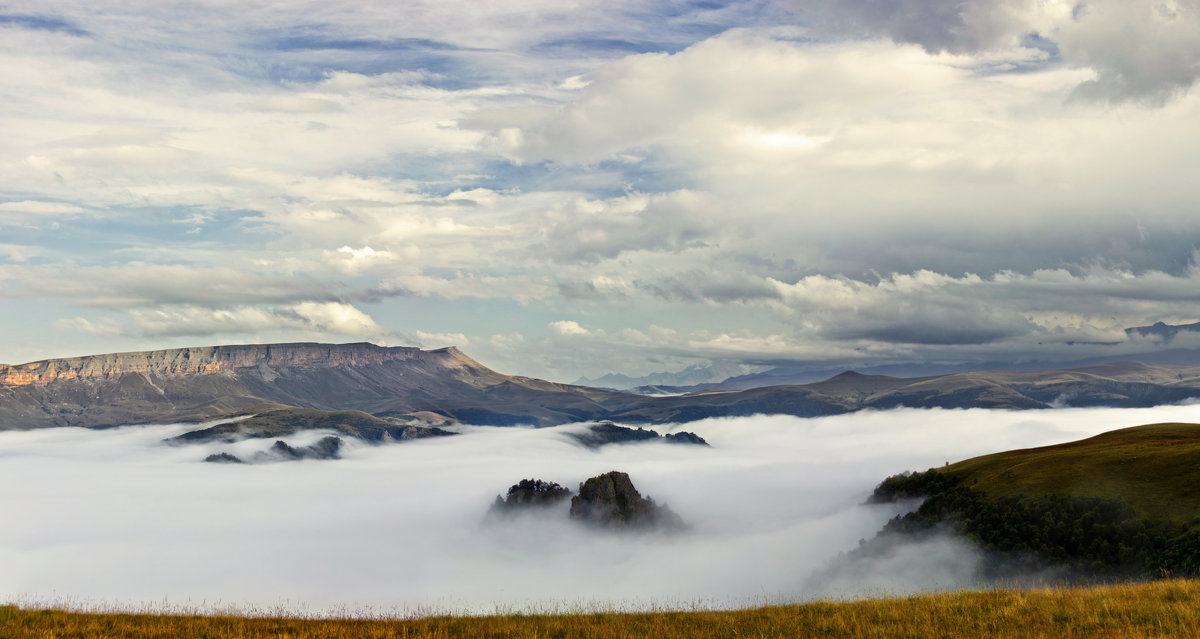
[[1157, 609]]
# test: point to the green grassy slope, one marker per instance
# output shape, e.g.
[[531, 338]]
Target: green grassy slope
[[1155, 469]]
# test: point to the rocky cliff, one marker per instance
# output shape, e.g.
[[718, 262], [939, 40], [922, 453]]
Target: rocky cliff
[[266, 359]]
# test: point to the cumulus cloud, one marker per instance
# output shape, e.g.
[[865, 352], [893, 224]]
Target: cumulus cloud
[[569, 328], [398, 529]]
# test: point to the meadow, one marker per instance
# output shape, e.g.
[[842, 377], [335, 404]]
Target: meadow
[[1151, 609]]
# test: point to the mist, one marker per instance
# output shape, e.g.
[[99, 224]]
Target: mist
[[102, 519]]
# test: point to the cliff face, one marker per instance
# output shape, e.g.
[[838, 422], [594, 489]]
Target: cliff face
[[268, 359]]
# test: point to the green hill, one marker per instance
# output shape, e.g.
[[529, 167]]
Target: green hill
[[1155, 469], [1124, 503]]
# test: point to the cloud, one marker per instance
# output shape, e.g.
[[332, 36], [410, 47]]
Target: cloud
[[141, 284], [440, 340], [323, 318], [956, 26], [1141, 51], [569, 328], [590, 231], [398, 529]]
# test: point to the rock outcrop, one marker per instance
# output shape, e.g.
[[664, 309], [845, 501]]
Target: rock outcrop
[[598, 435], [611, 501]]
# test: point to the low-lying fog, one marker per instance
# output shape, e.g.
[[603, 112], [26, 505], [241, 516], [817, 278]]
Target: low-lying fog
[[116, 518]]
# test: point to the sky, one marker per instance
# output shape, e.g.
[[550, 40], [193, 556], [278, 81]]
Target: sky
[[115, 518], [574, 188]]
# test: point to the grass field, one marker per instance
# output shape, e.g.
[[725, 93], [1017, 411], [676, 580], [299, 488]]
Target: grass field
[[1154, 609]]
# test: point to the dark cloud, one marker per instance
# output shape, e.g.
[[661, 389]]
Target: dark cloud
[[956, 26], [926, 331]]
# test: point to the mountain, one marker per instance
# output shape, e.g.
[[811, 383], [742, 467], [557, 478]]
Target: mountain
[[797, 374], [402, 385], [208, 382]]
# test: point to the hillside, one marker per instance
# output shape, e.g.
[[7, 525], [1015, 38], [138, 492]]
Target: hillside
[[1120, 504], [1155, 469]]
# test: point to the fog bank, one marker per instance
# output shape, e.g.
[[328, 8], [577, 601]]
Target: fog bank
[[116, 518]]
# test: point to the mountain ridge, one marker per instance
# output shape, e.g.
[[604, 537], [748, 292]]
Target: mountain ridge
[[215, 359], [202, 383]]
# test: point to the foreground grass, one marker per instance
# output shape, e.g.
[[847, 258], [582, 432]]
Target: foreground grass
[[1157, 609]]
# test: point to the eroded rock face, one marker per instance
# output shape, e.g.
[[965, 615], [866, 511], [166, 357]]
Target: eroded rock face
[[611, 501], [529, 494]]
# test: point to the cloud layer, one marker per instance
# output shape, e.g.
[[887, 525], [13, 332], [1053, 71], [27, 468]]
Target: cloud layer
[[116, 518]]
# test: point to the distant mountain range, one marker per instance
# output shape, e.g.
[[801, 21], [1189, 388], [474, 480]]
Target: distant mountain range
[[696, 374], [793, 374], [408, 384]]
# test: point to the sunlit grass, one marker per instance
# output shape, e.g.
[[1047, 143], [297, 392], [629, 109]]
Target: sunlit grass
[[1155, 609]]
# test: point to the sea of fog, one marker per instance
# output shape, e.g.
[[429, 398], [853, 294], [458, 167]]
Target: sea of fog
[[101, 519]]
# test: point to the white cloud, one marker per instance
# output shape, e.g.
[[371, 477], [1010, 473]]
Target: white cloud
[[305, 318], [39, 208], [440, 340], [569, 328]]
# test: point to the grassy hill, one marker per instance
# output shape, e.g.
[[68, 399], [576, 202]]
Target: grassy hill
[[1158, 609], [1121, 504], [1155, 469]]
